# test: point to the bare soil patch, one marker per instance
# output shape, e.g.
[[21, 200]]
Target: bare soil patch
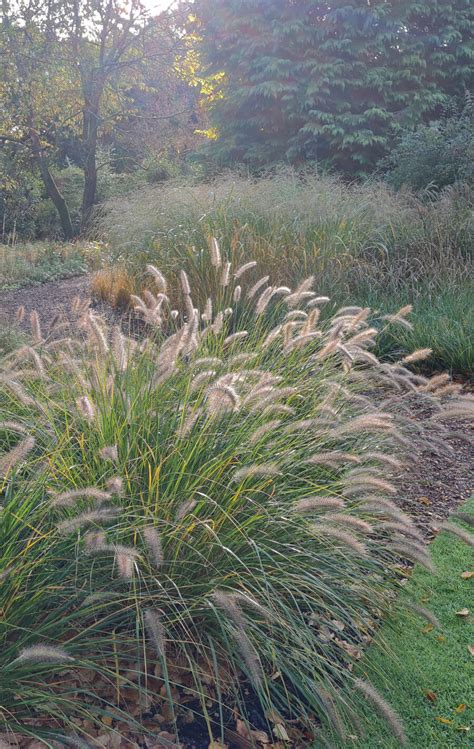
[[48, 299], [436, 483]]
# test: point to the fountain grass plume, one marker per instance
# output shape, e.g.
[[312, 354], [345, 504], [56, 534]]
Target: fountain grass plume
[[227, 477]]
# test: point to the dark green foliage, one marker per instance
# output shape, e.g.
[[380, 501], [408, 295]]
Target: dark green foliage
[[333, 83], [439, 154]]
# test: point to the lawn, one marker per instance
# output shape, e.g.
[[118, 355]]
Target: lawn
[[427, 673]]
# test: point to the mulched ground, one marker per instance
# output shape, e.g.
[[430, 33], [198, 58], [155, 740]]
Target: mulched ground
[[435, 484], [48, 299]]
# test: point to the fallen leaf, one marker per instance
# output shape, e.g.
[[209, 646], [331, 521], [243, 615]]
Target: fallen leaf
[[424, 500], [462, 612], [467, 575], [431, 696], [280, 732], [460, 708], [444, 721], [441, 638], [471, 649], [260, 736], [466, 729], [428, 628]]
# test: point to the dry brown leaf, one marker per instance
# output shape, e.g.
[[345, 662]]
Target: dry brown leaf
[[444, 721], [424, 500], [280, 732], [471, 649], [428, 628], [460, 708], [467, 575], [260, 736], [431, 696], [462, 612]]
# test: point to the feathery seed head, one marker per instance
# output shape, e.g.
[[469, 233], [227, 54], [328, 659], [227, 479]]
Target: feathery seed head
[[35, 327], [68, 498], [109, 452], [460, 533], [225, 278], [423, 612], [158, 277], [257, 471], [348, 521], [85, 406], [222, 398], [257, 286], [235, 337], [383, 708], [156, 630], [42, 653], [270, 426], [207, 314], [115, 485], [185, 283], [215, 253], [318, 301], [153, 542], [315, 504], [244, 268], [345, 538], [102, 515], [16, 455], [418, 355], [185, 508]]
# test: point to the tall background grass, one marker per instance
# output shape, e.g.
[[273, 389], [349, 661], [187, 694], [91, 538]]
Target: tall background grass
[[364, 243]]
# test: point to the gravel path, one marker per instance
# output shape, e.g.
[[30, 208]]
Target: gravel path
[[48, 299]]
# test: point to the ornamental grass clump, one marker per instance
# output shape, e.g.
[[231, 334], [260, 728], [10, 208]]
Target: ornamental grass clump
[[203, 521]]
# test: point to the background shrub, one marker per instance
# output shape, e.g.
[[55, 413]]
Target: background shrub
[[438, 154]]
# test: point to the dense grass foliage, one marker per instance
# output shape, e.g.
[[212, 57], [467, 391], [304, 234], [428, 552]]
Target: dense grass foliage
[[205, 514], [364, 243], [429, 689], [442, 320]]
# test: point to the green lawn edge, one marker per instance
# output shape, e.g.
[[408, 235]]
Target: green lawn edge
[[410, 659]]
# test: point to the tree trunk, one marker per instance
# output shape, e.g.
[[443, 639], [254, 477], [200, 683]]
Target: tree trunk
[[90, 128], [51, 186]]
